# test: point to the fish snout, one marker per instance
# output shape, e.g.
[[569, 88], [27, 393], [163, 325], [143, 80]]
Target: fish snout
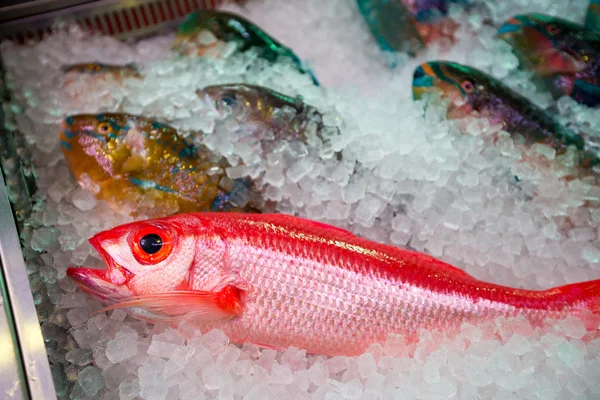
[[510, 27], [423, 80]]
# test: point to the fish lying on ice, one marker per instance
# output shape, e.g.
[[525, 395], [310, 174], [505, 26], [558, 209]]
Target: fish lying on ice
[[140, 165], [470, 90], [277, 281], [409, 25], [565, 55], [209, 32]]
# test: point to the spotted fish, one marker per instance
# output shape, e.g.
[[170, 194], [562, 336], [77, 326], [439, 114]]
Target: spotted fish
[[144, 166]]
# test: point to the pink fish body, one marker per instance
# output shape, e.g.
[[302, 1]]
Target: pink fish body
[[279, 281]]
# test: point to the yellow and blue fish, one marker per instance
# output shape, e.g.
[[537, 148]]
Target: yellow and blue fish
[[143, 166]]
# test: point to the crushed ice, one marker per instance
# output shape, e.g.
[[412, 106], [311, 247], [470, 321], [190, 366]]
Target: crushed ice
[[406, 177]]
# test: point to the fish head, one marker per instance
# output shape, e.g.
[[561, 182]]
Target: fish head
[[202, 30], [547, 45], [92, 144], [141, 258], [107, 146], [245, 103], [466, 89]]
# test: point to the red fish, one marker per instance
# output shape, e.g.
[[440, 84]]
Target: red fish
[[278, 281]]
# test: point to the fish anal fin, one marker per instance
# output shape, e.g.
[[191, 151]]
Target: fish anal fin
[[199, 305]]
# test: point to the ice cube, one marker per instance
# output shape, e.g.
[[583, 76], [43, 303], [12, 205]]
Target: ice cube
[[78, 316], [570, 355], [366, 365], [259, 392], [572, 327], [123, 346], [227, 359], [129, 389], [281, 374], [152, 386], [90, 380], [161, 349], [215, 341], [79, 356], [84, 200]]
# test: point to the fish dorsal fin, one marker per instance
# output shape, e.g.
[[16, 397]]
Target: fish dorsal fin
[[285, 218]]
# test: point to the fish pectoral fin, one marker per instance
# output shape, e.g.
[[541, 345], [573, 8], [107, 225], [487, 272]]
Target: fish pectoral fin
[[206, 306]]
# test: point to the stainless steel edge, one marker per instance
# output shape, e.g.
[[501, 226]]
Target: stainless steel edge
[[12, 381], [27, 326]]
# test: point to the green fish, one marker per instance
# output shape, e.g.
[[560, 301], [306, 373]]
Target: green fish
[[229, 27]]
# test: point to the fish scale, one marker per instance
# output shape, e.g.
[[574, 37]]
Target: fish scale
[[379, 308], [281, 281]]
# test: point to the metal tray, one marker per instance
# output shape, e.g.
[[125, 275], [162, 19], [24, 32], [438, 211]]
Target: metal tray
[[25, 370]]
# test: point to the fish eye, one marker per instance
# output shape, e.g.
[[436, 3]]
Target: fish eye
[[227, 99], [467, 86], [151, 243], [104, 127]]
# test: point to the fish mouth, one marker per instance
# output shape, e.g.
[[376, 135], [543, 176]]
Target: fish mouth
[[424, 81], [108, 285]]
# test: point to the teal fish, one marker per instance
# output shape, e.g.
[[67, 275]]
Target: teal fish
[[409, 25], [229, 27]]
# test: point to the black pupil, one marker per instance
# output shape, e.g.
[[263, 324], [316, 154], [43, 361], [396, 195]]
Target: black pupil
[[151, 243]]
